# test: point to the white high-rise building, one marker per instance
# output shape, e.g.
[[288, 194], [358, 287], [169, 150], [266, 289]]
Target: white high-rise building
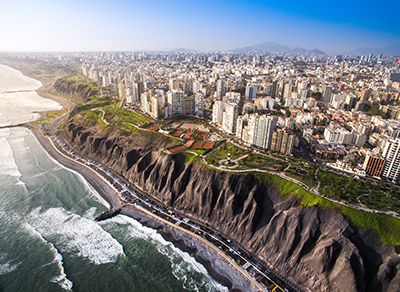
[[198, 104], [220, 88], [252, 129], [176, 100], [144, 100], [391, 153], [229, 118], [287, 90], [263, 134], [197, 86], [155, 106], [242, 121], [218, 110], [129, 95]]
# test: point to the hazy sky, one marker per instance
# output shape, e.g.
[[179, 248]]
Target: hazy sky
[[87, 25]]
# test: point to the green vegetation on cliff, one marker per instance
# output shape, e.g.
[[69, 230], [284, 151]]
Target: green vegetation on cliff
[[387, 227], [76, 87]]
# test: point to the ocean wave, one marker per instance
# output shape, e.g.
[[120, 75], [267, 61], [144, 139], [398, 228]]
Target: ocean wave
[[8, 266], [61, 279], [91, 191], [76, 235], [182, 263], [7, 160]]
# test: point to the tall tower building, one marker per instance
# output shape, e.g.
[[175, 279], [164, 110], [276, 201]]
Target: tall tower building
[[220, 88], [263, 134], [365, 95], [197, 86], [391, 153], [229, 118], [326, 93], [252, 129], [251, 92], [218, 110], [144, 101], [176, 100], [240, 124], [198, 104], [287, 90]]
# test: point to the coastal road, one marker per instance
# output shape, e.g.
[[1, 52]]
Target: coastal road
[[120, 195]]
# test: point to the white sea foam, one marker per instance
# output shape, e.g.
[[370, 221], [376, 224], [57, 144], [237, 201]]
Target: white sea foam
[[91, 213], [7, 266], [180, 268], [7, 161], [76, 235], [61, 279]]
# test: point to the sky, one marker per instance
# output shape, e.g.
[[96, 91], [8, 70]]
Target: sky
[[154, 25]]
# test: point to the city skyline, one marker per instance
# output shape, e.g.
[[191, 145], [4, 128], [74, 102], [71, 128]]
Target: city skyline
[[334, 28]]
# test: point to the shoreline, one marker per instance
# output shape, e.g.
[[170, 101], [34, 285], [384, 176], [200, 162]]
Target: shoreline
[[202, 252]]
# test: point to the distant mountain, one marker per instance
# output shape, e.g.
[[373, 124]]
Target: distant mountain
[[317, 52], [390, 50], [264, 47], [273, 47]]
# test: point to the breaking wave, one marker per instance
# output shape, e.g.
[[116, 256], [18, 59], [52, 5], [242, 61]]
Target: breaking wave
[[61, 279], [76, 235], [182, 263]]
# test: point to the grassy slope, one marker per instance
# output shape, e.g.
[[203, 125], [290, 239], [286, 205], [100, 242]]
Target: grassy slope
[[386, 226]]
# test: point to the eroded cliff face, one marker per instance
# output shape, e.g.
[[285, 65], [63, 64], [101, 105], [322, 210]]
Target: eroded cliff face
[[317, 249], [80, 92]]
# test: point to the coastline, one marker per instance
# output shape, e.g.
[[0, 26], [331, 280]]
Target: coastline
[[203, 252]]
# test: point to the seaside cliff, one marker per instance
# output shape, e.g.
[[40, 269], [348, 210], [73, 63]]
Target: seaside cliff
[[318, 249], [73, 89]]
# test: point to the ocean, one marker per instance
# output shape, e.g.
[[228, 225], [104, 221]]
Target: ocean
[[49, 240]]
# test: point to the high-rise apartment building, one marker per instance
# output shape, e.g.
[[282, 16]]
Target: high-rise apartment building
[[240, 124], [252, 129], [218, 110], [176, 100], [155, 106], [144, 102], [337, 134], [282, 141], [326, 93], [187, 105], [251, 92], [263, 134], [229, 118], [391, 153], [373, 164], [220, 88], [287, 90], [198, 104]]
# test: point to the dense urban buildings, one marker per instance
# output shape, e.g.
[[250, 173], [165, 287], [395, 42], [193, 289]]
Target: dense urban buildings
[[335, 106]]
